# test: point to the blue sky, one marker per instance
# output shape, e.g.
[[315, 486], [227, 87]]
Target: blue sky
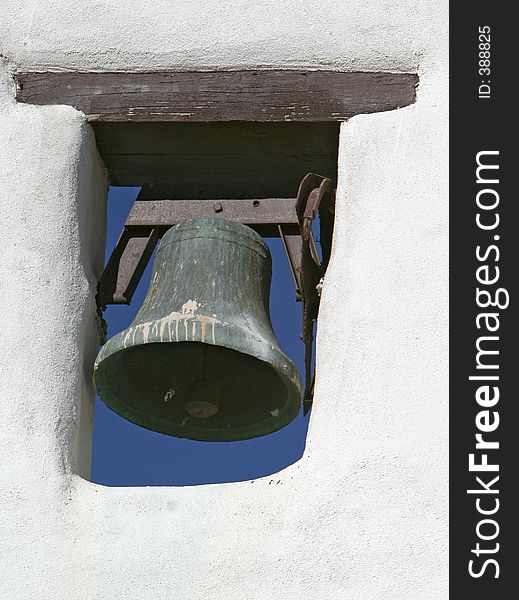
[[125, 454]]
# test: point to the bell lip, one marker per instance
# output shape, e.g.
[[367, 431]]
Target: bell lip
[[255, 430], [180, 232], [289, 375]]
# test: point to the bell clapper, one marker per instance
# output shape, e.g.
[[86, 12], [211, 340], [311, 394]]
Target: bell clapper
[[201, 409], [204, 399]]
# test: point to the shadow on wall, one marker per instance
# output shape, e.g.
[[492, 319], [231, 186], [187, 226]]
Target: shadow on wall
[[125, 454]]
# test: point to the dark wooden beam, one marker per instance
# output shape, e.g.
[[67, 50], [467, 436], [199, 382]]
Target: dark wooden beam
[[310, 96], [184, 161]]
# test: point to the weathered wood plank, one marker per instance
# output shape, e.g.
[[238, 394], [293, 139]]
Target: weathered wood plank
[[217, 160], [309, 96]]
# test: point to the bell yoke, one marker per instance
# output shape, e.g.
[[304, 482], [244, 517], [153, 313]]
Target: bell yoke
[[200, 359]]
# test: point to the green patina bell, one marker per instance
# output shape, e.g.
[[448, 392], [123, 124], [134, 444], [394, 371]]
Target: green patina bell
[[200, 360]]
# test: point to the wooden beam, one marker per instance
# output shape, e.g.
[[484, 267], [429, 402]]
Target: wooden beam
[[260, 211], [268, 96], [183, 161]]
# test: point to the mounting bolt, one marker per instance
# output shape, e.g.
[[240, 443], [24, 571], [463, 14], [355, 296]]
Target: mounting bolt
[[217, 207], [256, 203]]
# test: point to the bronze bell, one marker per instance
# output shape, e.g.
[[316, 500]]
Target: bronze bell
[[200, 359]]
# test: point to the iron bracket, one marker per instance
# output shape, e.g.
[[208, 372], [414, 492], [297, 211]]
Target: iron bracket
[[316, 196]]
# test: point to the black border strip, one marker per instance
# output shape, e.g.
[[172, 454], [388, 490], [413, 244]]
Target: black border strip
[[482, 122]]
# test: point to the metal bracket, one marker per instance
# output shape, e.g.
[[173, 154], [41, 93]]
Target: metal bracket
[[316, 196], [289, 218]]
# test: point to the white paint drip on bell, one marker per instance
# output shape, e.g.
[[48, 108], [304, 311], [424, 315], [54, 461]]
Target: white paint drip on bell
[[168, 395], [160, 327]]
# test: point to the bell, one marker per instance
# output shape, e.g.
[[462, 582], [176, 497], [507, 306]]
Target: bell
[[200, 360]]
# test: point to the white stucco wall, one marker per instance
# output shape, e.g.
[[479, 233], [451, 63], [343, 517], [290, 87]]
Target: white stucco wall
[[363, 515]]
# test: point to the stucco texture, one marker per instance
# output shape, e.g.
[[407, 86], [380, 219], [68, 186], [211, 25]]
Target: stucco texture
[[363, 514]]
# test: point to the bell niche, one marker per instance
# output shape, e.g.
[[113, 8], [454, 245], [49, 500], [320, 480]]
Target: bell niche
[[200, 359]]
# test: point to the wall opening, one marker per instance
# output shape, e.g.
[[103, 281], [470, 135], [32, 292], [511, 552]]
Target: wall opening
[[198, 161], [125, 454]]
